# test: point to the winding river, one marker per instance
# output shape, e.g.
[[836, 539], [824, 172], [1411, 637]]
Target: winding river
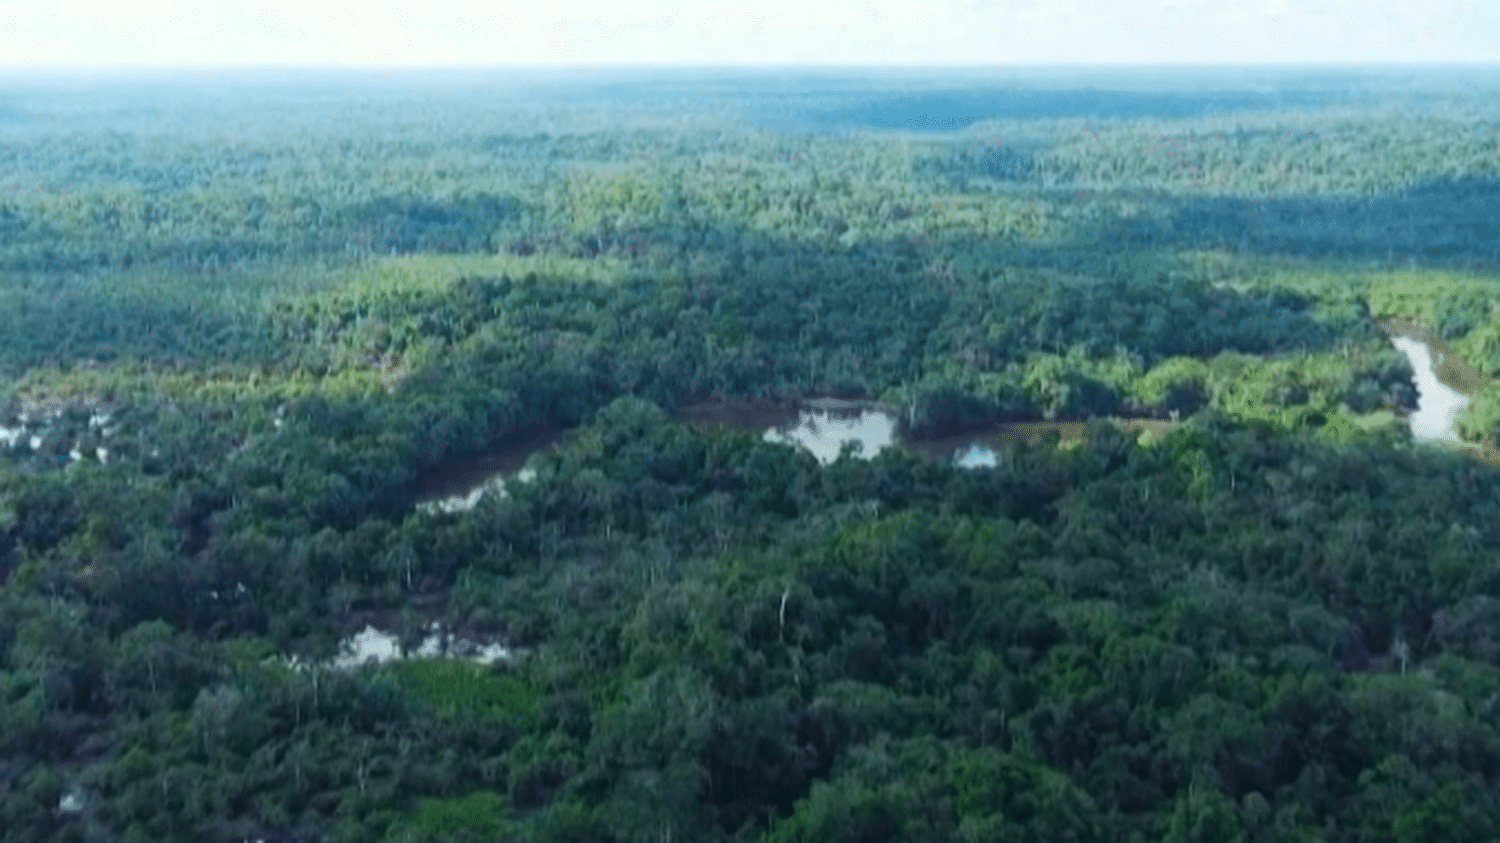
[[824, 427]]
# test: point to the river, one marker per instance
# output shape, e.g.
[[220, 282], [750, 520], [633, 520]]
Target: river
[[1444, 383], [458, 486], [825, 426], [823, 429], [1438, 404]]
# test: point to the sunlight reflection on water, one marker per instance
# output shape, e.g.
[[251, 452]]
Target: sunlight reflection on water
[[1438, 404], [823, 432]]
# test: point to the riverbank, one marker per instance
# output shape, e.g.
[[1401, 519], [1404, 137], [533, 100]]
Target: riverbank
[[1448, 378]]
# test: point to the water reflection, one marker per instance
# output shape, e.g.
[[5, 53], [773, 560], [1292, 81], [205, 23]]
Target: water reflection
[[459, 485], [824, 426], [465, 501], [824, 432], [373, 645], [1438, 404], [976, 455]]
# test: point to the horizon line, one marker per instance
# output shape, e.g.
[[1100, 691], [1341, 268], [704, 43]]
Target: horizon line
[[1321, 64]]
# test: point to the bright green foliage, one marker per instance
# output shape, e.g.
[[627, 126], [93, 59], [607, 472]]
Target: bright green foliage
[[458, 689], [480, 816]]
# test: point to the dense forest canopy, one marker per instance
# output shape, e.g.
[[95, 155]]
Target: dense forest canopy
[[247, 318]]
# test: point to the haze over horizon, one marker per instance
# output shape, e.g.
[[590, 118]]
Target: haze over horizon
[[448, 33]]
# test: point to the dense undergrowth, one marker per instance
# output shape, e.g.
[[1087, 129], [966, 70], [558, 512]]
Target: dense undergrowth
[[232, 347]]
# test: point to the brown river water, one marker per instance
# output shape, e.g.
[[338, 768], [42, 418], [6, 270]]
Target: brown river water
[[821, 426], [824, 426]]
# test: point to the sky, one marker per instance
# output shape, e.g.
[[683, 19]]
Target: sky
[[425, 33]]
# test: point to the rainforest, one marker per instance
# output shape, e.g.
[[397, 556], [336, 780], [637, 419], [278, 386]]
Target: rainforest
[[750, 455]]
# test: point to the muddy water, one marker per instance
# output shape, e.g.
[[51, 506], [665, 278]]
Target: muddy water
[[823, 427]]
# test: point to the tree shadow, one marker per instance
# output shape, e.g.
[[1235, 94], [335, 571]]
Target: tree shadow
[[1450, 222], [409, 223], [898, 304], [66, 324], [951, 108]]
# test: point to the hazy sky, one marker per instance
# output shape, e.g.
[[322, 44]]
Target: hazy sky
[[551, 32]]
